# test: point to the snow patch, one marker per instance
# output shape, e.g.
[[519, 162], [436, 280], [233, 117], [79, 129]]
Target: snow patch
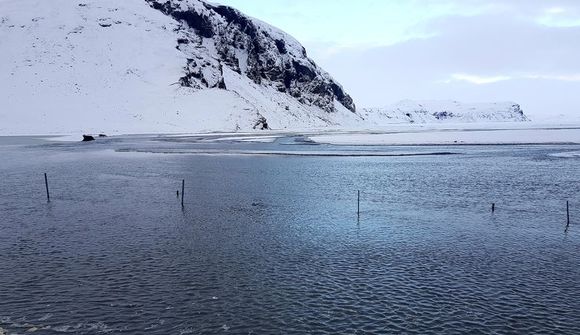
[[569, 154]]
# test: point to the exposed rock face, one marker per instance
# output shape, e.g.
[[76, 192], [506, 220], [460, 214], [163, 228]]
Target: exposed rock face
[[261, 123], [251, 48]]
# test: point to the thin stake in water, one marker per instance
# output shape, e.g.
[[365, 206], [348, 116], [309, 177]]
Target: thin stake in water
[[46, 184], [182, 191], [358, 204], [567, 214]]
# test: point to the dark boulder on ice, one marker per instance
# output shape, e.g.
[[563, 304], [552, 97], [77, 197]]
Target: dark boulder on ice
[[88, 138]]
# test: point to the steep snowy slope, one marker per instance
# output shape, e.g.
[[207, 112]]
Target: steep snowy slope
[[150, 66], [408, 111], [251, 48]]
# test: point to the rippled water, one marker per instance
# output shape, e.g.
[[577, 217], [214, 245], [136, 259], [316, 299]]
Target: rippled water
[[272, 244]]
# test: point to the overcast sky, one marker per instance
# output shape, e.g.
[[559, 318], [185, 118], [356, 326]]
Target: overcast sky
[[382, 51]]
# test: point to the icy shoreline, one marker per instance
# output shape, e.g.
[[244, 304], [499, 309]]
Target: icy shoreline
[[396, 134], [457, 137]]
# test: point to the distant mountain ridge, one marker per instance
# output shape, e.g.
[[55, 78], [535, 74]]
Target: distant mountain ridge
[[433, 111]]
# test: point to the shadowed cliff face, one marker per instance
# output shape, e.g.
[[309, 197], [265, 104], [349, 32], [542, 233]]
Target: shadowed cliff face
[[218, 36]]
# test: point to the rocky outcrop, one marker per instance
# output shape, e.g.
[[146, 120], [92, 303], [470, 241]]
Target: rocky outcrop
[[261, 123], [214, 37]]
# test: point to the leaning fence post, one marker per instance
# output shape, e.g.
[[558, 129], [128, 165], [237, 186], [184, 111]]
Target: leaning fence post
[[46, 184]]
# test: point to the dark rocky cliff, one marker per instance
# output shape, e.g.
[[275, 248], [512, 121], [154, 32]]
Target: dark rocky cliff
[[214, 37]]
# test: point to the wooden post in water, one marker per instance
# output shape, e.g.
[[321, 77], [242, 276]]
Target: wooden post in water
[[46, 184], [567, 214], [182, 191], [358, 204]]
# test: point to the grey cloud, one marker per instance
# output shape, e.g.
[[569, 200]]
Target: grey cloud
[[486, 45]]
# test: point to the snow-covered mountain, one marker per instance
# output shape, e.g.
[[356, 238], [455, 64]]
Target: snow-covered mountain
[[250, 48], [156, 66], [409, 111]]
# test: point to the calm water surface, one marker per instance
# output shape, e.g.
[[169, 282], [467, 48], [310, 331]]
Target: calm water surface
[[273, 245]]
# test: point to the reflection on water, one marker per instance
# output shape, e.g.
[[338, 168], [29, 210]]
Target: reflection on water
[[271, 244]]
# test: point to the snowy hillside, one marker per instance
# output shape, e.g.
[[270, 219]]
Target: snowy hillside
[[408, 111], [155, 66]]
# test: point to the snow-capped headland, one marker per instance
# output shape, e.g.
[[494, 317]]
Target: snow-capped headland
[[409, 111], [156, 66]]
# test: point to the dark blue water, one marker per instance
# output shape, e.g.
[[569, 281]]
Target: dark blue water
[[272, 244]]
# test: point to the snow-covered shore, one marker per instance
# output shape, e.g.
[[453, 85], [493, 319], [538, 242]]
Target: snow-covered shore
[[396, 134], [458, 134]]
